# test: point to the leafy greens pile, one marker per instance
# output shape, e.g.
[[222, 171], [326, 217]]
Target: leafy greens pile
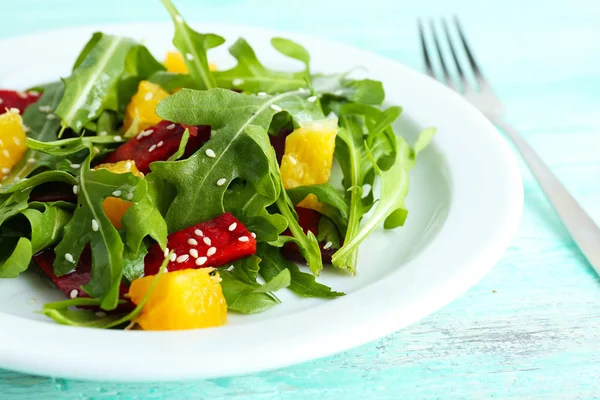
[[89, 107]]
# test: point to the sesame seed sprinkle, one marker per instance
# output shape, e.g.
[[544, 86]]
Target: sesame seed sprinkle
[[102, 133], [253, 235], [221, 182], [73, 293], [237, 82], [160, 143], [152, 148], [189, 56], [201, 261], [210, 153], [166, 252], [244, 239], [5, 170], [172, 126], [173, 257], [16, 110], [183, 258], [198, 232], [100, 314], [262, 94], [75, 166], [207, 241], [34, 93], [303, 90], [232, 227], [26, 128], [31, 160], [75, 189], [211, 251], [129, 196], [69, 257], [95, 225], [116, 193], [275, 108], [231, 267], [194, 253], [1, 101], [328, 245], [6, 153], [117, 138], [50, 116], [45, 109], [17, 140], [128, 165], [192, 242], [312, 99], [148, 96], [22, 95]]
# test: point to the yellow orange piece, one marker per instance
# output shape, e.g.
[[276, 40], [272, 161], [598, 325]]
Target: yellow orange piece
[[185, 299], [115, 207], [308, 157], [141, 111], [175, 63], [12, 141]]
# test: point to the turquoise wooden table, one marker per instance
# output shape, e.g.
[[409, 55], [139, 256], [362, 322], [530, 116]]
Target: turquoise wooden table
[[531, 328]]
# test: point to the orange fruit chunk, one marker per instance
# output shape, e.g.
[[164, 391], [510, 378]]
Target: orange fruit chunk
[[185, 299], [308, 157], [175, 63], [115, 207], [12, 141], [141, 111]]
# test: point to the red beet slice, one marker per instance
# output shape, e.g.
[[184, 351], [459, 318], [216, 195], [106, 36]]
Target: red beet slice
[[74, 281], [278, 143], [15, 99], [208, 244], [158, 144], [308, 220], [53, 191]]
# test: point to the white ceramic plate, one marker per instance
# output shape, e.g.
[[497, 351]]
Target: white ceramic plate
[[465, 202]]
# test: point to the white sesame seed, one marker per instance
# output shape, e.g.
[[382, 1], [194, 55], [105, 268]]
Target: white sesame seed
[[102, 133], [211, 251], [312, 99], [237, 82], [244, 239], [128, 165], [303, 90], [173, 257], [75, 166], [338, 92], [75, 189], [73, 293], [140, 135], [14, 110], [26, 129], [16, 140], [210, 153], [5, 170], [172, 126], [253, 235], [189, 56], [22, 95], [148, 96], [6, 153], [116, 193], [194, 253], [183, 258], [50, 116], [192, 242], [275, 108], [198, 232], [117, 138], [100, 314], [45, 109], [1, 142], [231, 267], [232, 227], [207, 241], [69, 257], [221, 182], [152, 148], [262, 94], [160, 143], [292, 159], [201, 261], [31, 160], [33, 93], [166, 252], [328, 245], [1, 101], [95, 225], [129, 196]]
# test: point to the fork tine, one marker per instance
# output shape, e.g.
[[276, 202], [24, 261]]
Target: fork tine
[[461, 74], [438, 47], [428, 67], [470, 56]]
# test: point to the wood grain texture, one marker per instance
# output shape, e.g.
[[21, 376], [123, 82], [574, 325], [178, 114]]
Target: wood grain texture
[[531, 328]]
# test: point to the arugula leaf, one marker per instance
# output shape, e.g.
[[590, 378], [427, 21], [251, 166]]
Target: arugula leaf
[[194, 46], [66, 147], [47, 222], [18, 261], [90, 225], [328, 232], [303, 284], [279, 281], [334, 205], [171, 81], [366, 91], [41, 128], [93, 80], [251, 76], [390, 208], [181, 149]]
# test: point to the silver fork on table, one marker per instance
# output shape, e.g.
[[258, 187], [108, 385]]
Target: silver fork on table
[[582, 228]]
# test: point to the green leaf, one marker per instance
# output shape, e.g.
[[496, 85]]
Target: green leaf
[[46, 225], [41, 128], [90, 225], [171, 81], [93, 81], [251, 76], [194, 46], [328, 233], [334, 205], [301, 283], [366, 91], [292, 49], [181, 149], [18, 261], [66, 147], [279, 281]]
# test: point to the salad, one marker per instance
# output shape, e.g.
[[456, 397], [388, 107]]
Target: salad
[[165, 195]]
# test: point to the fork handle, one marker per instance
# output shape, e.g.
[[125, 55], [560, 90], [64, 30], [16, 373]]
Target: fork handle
[[582, 228]]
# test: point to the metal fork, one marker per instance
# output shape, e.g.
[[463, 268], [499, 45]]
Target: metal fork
[[582, 228]]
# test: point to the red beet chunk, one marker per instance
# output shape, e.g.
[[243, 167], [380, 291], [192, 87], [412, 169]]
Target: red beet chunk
[[278, 143], [53, 191], [158, 144], [75, 280], [207, 244], [15, 99], [308, 220]]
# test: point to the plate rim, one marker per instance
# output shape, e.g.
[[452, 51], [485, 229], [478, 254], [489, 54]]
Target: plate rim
[[39, 359]]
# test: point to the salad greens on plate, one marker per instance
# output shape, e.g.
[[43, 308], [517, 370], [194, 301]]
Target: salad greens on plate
[[162, 195]]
